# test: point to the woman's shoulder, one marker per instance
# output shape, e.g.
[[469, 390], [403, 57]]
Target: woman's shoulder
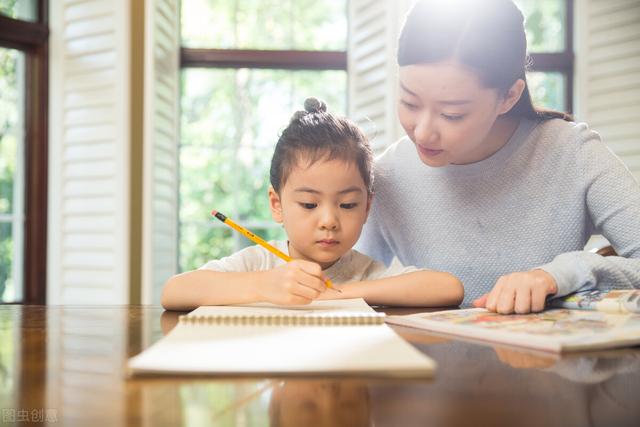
[[560, 131], [579, 142]]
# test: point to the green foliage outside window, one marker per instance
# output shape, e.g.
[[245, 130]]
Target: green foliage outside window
[[544, 24], [265, 24], [231, 120], [8, 145], [19, 9]]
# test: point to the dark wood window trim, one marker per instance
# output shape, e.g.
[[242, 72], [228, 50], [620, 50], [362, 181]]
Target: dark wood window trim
[[32, 39], [276, 59]]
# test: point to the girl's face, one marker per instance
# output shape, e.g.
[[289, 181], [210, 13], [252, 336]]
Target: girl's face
[[323, 207], [449, 115]]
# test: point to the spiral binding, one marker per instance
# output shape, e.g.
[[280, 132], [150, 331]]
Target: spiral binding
[[356, 319]]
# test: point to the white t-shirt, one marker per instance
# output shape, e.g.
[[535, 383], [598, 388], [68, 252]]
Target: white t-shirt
[[351, 267]]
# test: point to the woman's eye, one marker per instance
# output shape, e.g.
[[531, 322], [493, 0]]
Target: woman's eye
[[409, 105], [348, 205], [309, 205], [453, 117]]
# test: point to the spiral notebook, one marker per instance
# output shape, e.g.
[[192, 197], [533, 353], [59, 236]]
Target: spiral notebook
[[337, 337]]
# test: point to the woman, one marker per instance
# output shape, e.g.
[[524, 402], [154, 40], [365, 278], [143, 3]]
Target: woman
[[487, 187]]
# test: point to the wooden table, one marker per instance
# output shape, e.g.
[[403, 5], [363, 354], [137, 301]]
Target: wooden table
[[65, 366]]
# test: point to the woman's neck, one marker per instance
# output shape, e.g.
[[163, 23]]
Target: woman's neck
[[502, 130], [500, 133]]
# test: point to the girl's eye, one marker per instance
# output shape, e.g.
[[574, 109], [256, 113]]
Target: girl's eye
[[348, 205], [309, 205], [453, 117]]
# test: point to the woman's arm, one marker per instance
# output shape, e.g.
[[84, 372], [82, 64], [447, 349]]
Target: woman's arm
[[612, 196], [416, 289], [613, 201]]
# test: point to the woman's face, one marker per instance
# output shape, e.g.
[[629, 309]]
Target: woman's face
[[448, 113]]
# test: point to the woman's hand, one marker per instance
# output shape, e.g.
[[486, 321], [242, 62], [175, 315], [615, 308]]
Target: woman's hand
[[523, 360], [296, 282], [522, 292]]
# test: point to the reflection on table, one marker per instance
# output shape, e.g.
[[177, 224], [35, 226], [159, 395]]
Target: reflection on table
[[67, 365]]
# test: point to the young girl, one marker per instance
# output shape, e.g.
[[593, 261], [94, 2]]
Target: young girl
[[501, 194], [321, 191]]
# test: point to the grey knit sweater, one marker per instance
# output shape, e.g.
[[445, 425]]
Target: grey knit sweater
[[533, 204]]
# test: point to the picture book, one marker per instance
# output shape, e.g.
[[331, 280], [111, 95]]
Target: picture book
[[334, 337], [611, 301], [555, 330]]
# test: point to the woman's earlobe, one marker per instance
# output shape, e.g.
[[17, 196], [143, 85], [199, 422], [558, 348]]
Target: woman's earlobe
[[512, 96]]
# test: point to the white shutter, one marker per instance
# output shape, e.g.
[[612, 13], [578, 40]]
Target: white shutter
[[160, 182], [88, 252], [374, 26], [608, 73]]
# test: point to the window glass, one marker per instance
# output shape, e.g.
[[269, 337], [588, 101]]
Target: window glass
[[265, 24], [547, 89], [544, 24], [231, 120], [11, 173], [26, 10]]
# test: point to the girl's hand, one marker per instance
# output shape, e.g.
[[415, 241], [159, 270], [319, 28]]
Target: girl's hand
[[522, 292], [296, 282]]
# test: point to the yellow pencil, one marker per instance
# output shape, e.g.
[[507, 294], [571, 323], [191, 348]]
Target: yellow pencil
[[259, 240]]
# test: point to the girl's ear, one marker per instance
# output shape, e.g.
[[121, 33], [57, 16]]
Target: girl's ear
[[275, 205], [369, 201], [511, 97]]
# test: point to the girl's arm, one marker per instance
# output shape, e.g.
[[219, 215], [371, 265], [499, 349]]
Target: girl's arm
[[296, 282], [192, 289], [416, 289]]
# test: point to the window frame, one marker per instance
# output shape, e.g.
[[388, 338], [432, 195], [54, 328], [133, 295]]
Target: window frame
[[32, 38], [562, 62]]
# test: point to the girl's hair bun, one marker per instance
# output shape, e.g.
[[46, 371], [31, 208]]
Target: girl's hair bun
[[315, 105], [311, 106]]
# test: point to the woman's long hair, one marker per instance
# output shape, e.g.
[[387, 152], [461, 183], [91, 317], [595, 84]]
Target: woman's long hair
[[485, 35]]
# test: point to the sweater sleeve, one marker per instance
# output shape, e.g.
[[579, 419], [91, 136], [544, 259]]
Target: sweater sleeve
[[612, 197]]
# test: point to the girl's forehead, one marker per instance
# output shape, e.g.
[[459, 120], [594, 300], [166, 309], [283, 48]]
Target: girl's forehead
[[325, 174], [304, 166]]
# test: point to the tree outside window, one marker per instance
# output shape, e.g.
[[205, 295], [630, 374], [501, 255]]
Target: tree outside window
[[233, 113]]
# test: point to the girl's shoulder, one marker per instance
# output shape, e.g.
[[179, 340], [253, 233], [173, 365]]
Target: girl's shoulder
[[251, 258]]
